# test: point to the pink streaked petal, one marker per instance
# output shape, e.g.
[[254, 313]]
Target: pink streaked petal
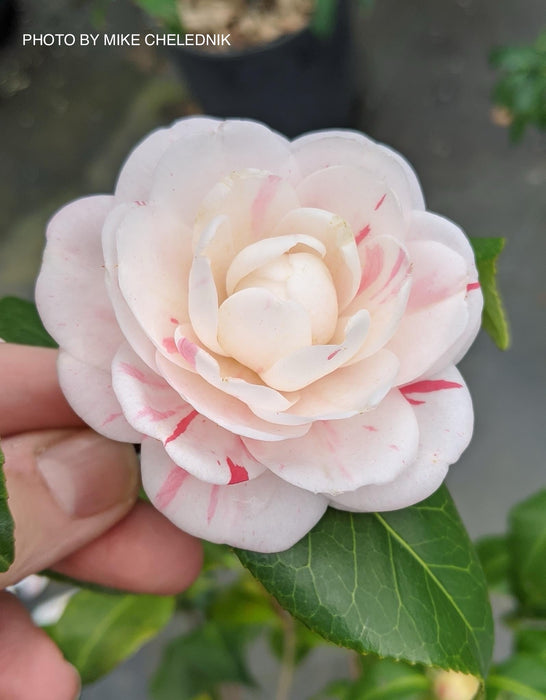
[[323, 149], [353, 194], [221, 408], [89, 391], [445, 420], [438, 273], [265, 514], [425, 336], [136, 177], [307, 365], [231, 146], [342, 455], [153, 266], [332, 231], [229, 376], [192, 441], [71, 292]]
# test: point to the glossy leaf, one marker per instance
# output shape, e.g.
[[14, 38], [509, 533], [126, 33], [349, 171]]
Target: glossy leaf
[[494, 321], [201, 660], [406, 585], [97, 631], [527, 541], [7, 542], [20, 323], [522, 677], [495, 559]]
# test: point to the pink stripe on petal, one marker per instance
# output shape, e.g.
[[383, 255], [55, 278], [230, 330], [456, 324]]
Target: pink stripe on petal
[[188, 350], [380, 202], [372, 267], [139, 375], [238, 473], [181, 426], [169, 489], [154, 415], [213, 503], [472, 285], [361, 235], [263, 199], [333, 354], [426, 386], [112, 417], [169, 345]]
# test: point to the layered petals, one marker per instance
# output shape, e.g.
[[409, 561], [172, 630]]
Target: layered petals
[[265, 514]]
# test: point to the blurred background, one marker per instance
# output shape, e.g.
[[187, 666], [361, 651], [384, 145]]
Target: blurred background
[[423, 84]]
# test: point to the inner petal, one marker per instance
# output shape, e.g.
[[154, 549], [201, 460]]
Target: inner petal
[[302, 278], [258, 328]]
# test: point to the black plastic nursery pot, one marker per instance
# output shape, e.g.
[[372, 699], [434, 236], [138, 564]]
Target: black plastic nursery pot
[[295, 84]]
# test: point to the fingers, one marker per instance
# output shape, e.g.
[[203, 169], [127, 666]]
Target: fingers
[[30, 397], [143, 553], [65, 488], [31, 666]]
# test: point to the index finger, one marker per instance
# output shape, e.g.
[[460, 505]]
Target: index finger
[[30, 396]]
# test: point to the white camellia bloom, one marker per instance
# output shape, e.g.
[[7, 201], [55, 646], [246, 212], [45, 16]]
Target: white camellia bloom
[[276, 322]]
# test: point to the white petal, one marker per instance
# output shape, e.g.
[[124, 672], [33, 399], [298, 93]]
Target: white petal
[[258, 329], [153, 265], [444, 413], [309, 364], [262, 252], [193, 442], [264, 515], [70, 291], [342, 455], [222, 408], [323, 149], [428, 334], [136, 177], [191, 167], [366, 204], [89, 391], [332, 231]]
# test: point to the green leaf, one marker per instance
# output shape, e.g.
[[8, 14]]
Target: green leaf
[[487, 251], [532, 640], [384, 679], [522, 677], [197, 662], [7, 548], [97, 631], [406, 585], [527, 542], [495, 559], [164, 11], [20, 323], [323, 19]]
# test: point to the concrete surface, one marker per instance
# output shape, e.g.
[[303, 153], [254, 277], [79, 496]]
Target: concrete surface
[[69, 116]]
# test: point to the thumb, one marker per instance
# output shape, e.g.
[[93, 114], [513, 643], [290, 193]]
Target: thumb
[[65, 488]]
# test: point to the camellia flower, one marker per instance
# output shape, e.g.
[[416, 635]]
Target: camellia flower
[[276, 322]]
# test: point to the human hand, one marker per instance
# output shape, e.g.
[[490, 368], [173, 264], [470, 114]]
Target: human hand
[[72, 494]]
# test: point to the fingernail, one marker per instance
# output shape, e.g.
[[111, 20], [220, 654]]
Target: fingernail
[[88, 474]]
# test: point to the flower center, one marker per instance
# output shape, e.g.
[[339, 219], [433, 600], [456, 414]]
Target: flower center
[[305, 279]]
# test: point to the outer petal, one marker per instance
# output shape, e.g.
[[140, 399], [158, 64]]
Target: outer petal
[[233, 145], [136, 176], [444, 413], [338, 456], [153, 266], [367, 205], [323, 149], [89, 391], [203, 448], [70, 292], [264, 515]]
